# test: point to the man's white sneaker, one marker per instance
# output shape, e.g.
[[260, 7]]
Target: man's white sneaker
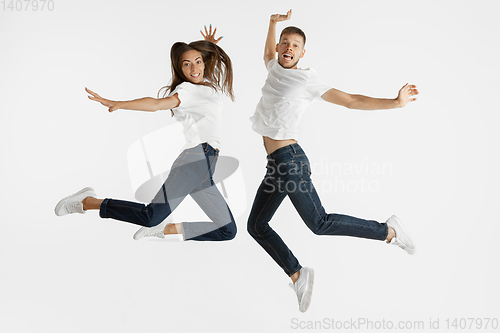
[[402, 238], [73, 203], [303, 287]]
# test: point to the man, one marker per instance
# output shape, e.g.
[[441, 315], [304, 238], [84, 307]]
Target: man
[[288, 91]]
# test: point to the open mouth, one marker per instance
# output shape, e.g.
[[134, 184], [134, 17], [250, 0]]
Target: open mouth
[[195, 75], [287, 57]]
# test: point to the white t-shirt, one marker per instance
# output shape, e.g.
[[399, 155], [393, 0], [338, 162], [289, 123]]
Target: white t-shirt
[[285, 96], [200, 113]]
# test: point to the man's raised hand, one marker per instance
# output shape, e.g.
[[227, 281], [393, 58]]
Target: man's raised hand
[[279, 17]]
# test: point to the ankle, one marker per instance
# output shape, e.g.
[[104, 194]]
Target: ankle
[[172, 229], [178, 227], [390, 234], [85, 204], [295, 276], [91, 203]]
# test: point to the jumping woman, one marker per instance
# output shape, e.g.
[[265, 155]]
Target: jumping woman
[[201, 74]]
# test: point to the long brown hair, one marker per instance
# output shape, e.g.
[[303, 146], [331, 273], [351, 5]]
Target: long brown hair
[[218, 73]]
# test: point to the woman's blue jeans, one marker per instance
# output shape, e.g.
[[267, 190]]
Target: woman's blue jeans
[[289, 173], [191, 173]]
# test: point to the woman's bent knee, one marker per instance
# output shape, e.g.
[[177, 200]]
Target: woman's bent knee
[[229, 231]]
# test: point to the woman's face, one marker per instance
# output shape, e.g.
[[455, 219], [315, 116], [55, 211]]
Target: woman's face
[[193, 66]]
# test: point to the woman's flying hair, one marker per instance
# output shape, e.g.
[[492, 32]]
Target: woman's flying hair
[[218, 73]]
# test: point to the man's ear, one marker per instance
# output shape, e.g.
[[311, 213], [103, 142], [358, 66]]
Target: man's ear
[[302, 53], [277, 46]]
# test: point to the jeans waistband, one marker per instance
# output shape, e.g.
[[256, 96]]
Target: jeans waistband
[[292, 149], [202, 148], [207, 147]]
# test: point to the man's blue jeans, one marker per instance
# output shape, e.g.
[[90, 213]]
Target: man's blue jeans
[[288, 173], [191, 173]]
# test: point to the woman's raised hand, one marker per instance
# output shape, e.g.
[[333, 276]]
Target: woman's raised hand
[[279, 17], [210, 36], [111, 105]]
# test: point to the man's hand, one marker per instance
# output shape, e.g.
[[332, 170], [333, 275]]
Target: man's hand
[[210, 36], [280, 18], [405, 94]]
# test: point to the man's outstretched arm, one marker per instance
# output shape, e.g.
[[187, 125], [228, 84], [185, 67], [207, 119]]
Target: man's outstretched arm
[[270, 48], [360, 102]]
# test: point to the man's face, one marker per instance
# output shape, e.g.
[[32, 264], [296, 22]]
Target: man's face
[[290, 49]]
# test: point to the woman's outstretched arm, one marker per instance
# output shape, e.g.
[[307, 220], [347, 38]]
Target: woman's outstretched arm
[[361, 102], [141, 104]]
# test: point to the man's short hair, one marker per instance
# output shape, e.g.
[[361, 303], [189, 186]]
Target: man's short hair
[[293, 30]]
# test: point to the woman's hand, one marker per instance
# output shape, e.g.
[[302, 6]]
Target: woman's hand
[[111, 105], [210, 36], [279, 17], [405, 93]]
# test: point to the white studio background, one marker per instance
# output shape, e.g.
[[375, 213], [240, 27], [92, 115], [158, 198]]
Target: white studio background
[[432, 163]]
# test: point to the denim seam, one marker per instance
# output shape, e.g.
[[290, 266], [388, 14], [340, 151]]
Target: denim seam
[[209, 169], [164, 193], [218, 227], [310, 197], [319, 215], [300, 267], [103, 208], [208, 199], [186, 230], [165, 189], [272, 179], [255, 229]]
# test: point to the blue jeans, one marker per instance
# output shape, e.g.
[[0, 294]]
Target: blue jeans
[[191, 173], [289, 173]]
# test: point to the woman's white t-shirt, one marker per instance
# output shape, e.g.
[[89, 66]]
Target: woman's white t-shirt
[[200, 113], [285, 96]]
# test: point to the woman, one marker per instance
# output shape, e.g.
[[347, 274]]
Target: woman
[[201, 72]]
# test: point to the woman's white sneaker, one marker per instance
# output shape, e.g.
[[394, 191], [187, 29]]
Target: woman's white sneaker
[[157, 231], [402, 238], [73, 203]]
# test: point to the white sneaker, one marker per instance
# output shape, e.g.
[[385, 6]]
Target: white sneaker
[[73, 203], [402, 238], [156, 231], [303, 287]]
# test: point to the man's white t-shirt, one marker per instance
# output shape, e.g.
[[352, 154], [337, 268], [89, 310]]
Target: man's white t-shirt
[[285, 96], [200, 113]]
